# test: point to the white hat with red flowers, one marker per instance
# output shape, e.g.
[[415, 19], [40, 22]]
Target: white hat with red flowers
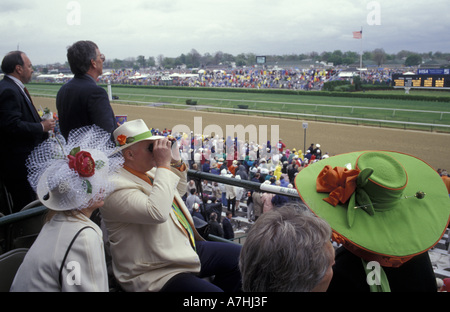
[[132, 132], [70, 174]]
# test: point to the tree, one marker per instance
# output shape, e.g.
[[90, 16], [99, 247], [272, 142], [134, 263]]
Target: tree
[[160, 60], [413, 60], [194, 58], [151, 61], [379, 56], [141, 61], [116, 64]]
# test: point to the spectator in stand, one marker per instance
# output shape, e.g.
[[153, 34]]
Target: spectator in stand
[[215, 228], [191, 185], [212, 205], [192, 199], [196, 212], [257, 204], [239, 193], [317, 151], [279, 200], [206, 167], [214, 169], [281, 146], [391, 209], [283, 182], [81, 102], [232, 169], [250, 209], [69, 235], [206, 188], [231, 197], [267, 199], [257, 178], [287, 250], [21, 126], [154, 243], [242, 172], [228, 232], [216, 191]]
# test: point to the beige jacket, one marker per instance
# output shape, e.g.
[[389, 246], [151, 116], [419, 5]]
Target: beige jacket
[[148, 244], [85, 266]]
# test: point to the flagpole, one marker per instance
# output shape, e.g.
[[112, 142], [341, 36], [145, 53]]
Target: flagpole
[[360, 56]]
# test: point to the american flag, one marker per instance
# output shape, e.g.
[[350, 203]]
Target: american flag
[[357, 34]]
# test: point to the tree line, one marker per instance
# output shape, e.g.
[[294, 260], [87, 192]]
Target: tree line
[[194, 59]]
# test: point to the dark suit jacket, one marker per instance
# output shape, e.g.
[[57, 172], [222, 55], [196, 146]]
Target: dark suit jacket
[[227, 229], [21, 132], [19, 124], [81, 102]]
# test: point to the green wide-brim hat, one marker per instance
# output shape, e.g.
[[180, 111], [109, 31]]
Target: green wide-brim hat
[[399, 208]]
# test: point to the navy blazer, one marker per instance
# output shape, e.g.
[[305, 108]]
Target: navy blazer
[[81, 102], [20, 127], [227, 229]]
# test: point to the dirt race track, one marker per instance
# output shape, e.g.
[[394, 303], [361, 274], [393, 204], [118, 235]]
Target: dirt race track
[[334, 138]]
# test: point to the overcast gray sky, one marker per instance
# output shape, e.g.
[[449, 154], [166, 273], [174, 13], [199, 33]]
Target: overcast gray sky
[[43, 29]]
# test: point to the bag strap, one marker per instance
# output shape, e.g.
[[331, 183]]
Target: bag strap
[[67, 252]]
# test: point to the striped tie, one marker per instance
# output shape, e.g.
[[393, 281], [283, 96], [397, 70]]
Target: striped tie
[[182, 219], [33, 109]]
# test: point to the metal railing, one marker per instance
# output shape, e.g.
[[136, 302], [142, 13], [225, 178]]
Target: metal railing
[[36, 212], [249, 185]]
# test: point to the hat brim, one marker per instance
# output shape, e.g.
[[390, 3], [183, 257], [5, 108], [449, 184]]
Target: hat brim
[[56, 199], [411, 226], [152, 138]]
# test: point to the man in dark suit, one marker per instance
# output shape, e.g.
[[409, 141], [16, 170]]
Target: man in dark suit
[[81, 102], [21, 127], [228, 232]]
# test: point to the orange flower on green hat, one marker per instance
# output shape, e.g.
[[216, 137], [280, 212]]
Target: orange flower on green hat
[[122, 139]]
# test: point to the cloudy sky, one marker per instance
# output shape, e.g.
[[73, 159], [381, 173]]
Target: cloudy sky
[[43, 29]]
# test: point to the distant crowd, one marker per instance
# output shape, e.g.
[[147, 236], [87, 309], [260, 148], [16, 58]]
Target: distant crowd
[[253, 78], [270, 163]]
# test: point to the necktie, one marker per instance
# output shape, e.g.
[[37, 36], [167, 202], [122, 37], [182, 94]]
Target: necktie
[[182, 219], [28, 94], [33, 109]]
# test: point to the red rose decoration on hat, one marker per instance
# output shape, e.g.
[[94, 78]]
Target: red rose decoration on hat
[[82, 163]]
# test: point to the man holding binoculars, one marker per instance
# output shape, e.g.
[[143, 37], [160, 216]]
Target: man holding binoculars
[[154, 243]]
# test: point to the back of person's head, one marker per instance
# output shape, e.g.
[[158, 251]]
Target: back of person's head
[[79, 56], [11, 60], [285, 251], [213, 216]]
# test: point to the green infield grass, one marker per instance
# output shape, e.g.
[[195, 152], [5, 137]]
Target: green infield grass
[[406, 111]]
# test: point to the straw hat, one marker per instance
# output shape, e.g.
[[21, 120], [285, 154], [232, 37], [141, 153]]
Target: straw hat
[[132, 132]]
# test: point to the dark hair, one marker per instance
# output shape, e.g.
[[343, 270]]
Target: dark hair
[[11, 60], [80, 55]]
